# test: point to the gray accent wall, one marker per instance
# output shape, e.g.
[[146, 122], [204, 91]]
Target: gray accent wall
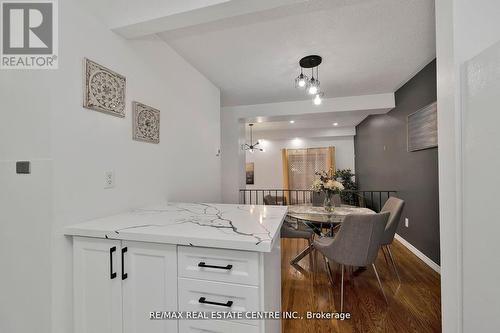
[[383, 163]]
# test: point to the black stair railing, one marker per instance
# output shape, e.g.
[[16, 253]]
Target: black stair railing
[[361, 198]]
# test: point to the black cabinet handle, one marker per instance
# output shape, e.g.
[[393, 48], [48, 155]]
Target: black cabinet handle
[[111, 273], [202, 264], [203, 300], [124, 275]]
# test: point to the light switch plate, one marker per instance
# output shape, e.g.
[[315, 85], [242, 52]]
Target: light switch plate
[[407, 222], [23, 167]]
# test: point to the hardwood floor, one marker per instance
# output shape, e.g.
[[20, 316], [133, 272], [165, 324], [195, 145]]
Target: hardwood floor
[[413, 307]]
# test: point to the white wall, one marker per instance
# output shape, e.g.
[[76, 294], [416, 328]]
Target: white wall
[[25, 202], [43, 121], [268, 170], [467, 140]]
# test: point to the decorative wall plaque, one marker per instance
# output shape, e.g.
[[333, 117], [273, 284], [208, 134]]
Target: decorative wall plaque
[[146, 123], [422, 128], [249, 168], [104, 90]]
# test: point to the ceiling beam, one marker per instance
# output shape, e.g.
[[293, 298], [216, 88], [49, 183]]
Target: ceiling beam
[[281, 134], [379, 103], [163, 20]]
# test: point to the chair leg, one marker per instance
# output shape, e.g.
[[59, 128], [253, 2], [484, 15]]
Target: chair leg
[[329, 271], [385, 256], [380, 283], [309, 242], [393, 262], [342, 291]]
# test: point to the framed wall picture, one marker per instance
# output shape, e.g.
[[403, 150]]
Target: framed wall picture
[[103, 89], [250, 173], [146, 123], [422, 128]]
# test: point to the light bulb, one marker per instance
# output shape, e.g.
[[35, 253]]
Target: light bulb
[[301, 81], [313, 90], [317, 100]]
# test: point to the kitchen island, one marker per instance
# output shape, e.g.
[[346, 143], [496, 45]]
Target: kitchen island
[[192, 257]]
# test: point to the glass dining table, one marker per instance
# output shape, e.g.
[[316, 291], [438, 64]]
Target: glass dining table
[[318, 219]]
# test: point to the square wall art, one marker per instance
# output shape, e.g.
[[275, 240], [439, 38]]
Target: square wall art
[[104, 90], [146, 123]]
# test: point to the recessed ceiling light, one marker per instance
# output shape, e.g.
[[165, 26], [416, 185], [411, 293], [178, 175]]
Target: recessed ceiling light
[[292, 121], [335, 124]]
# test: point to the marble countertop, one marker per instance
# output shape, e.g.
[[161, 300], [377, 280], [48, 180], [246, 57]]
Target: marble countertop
[[238, 227]]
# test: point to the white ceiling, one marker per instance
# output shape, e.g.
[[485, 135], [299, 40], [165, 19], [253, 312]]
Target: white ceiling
[[368, 47]]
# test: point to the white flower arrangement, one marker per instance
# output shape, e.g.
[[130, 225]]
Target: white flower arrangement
[[334, 185], [326, 183]]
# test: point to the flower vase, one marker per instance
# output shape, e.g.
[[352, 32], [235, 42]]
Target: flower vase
[[328, 203]]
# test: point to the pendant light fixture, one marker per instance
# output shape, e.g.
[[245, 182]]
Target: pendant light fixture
[[318, 98], [301, 80], [252, 146], [312, 85]]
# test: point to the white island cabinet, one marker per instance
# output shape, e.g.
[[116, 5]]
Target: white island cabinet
[[177, 257]]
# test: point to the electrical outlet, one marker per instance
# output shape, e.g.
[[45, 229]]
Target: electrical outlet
[[109, 179], [407, 222]]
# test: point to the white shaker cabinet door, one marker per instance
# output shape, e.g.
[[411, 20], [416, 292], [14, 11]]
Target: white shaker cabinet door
[[97, 285], [149, 283]]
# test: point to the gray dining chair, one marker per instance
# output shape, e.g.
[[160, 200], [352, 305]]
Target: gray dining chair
[[356, 244], [319, 198], [292, 230], [274, 200], [395, 207]]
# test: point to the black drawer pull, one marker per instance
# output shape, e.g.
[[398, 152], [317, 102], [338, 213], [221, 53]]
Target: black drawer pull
[[202, 264], [111, 273], [203, 300], [124, 275]]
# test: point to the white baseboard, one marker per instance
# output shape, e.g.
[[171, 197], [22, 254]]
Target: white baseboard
[[419, 254]]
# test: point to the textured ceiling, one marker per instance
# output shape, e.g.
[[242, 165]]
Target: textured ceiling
[[368, 47]]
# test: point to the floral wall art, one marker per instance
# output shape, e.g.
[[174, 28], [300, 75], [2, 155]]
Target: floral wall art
[[146, 123], [104, 90]]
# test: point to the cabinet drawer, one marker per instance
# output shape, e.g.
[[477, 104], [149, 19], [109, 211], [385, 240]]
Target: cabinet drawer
[[219, 265], [214, 326], [196, 295]]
